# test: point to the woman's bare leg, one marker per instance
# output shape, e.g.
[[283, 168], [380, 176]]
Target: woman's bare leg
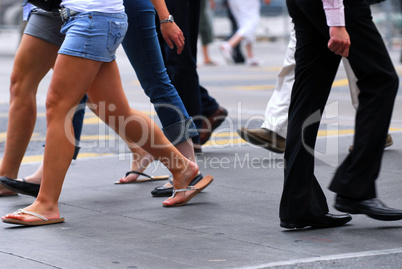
[[133, 125], [104, 82], [61, 100], [28, 70]]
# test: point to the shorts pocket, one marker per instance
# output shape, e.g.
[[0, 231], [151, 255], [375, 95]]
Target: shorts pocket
[[117, 31]]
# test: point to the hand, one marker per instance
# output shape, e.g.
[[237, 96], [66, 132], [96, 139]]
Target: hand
[[173, 36], [339, 42], [212, 2]]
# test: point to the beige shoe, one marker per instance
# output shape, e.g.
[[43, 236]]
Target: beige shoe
[[389, 142], [263, 138]]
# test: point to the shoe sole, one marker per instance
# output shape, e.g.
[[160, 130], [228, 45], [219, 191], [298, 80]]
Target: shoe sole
[[351, 210], [258, 142], [290, 225], [33, 223]]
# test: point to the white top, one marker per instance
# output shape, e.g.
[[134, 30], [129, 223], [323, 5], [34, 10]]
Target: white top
[[107, 6], [334, 11]]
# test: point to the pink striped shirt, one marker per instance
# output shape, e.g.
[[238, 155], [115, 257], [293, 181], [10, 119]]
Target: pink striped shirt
[[334, 12]]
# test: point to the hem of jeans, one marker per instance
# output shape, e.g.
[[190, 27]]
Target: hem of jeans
[[180, 131]]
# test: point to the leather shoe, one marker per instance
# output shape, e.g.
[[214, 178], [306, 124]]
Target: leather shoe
[[389, 142], [22, 187], [163, 191], [324, 221], [373, 208], [264, 138], [210, 123]]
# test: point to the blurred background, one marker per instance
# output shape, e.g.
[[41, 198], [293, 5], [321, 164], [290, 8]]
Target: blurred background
[[274, 23]]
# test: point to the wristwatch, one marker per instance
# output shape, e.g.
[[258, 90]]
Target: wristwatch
[[169, 19]]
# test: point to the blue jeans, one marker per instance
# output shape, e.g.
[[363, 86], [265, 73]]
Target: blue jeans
[[143, 51], [182, 68]]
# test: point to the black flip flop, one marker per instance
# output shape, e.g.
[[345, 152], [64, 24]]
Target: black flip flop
[[141, 180]]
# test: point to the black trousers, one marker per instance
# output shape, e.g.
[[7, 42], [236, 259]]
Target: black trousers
[[316, 67], [182, 68]]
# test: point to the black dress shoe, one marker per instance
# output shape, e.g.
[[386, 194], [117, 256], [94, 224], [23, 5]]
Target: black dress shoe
[[324, 221], [22, 187], [373, 208], [162, 191]]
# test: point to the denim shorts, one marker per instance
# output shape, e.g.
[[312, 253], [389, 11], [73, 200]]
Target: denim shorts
[[94, 35]]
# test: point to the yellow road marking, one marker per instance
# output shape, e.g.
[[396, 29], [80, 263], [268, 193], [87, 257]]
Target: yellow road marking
[[217, 139], [39, 158], [337, 83]]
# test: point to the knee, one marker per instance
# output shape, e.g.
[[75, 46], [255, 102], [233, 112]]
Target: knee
[[24, 94], [52, 106]]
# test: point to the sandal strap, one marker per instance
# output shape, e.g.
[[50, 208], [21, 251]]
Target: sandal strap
[[138, 173], [22, 211], [190, 188]]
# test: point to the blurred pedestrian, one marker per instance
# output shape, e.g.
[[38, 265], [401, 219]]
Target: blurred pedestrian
[[247, 16], [207, 29]]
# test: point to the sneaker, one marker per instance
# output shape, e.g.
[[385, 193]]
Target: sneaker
[[252, 62], [227, 52], [264, 138], [389, 142]]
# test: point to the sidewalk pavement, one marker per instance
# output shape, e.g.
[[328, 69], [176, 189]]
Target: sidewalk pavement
[[231, 224]]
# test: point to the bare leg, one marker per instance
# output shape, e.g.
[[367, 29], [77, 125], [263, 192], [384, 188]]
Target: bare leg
[[36, 177], [207, 59], [136, 126], [141, 158], [128, 123], [28, 70], [235, 40], [249, 50]]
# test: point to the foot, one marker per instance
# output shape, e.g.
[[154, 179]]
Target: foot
[[20, 186], [188, 193], [139, 164], [210, 63], [5, 192], [323, 221], [167, 189], [227, 52], [252, 62], [264, 138], [210, 123], [19, 217], [181, 180], [373, 208], [389, 142]]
